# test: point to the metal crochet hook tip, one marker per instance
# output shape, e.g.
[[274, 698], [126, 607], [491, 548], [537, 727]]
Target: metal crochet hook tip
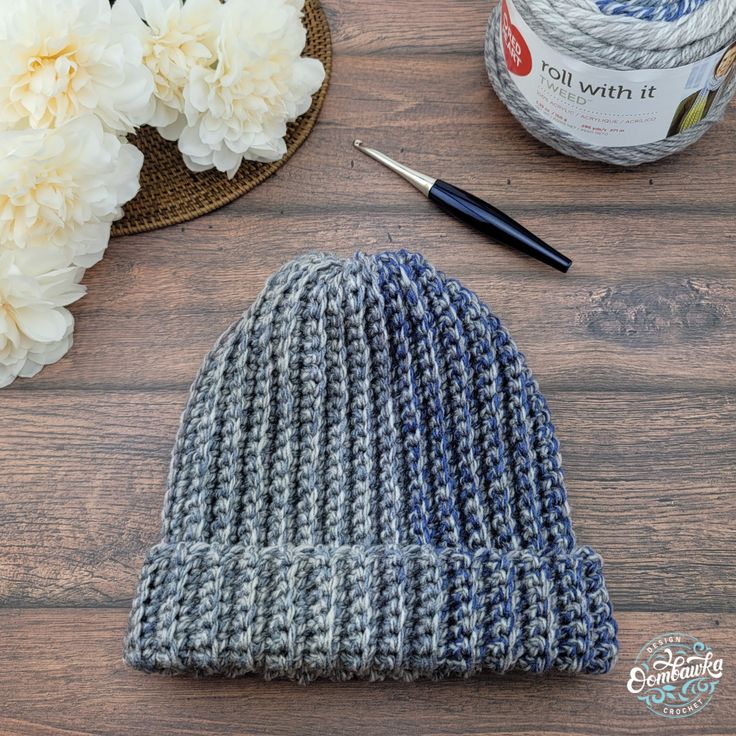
[[421, 181]]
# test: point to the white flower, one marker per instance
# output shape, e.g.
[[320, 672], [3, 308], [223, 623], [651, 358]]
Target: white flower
[[63, 188], [179, 38], [238, 109], [35, 329], [65, 58]]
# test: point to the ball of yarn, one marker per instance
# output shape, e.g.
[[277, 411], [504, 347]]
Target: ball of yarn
[[622, 35]]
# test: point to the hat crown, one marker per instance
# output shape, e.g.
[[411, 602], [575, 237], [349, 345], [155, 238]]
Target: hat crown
[[367, 401]]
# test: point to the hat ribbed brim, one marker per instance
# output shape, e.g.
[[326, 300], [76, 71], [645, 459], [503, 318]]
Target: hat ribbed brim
[[383, 611]]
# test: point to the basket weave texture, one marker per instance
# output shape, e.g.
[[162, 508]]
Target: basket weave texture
[[171, 194]]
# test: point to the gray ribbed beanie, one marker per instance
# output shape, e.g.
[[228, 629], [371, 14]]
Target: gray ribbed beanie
[[366, 483]]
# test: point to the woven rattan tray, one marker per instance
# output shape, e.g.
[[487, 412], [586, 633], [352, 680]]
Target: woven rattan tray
[[172, 194]]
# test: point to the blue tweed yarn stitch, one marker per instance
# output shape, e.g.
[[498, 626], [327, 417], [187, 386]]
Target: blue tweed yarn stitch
[[366, 483], [663, 10]]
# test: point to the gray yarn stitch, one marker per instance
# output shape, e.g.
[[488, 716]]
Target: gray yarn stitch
[[579, 29], [366, 483]]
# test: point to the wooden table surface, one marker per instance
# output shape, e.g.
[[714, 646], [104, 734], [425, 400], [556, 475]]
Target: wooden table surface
[[634, 349]]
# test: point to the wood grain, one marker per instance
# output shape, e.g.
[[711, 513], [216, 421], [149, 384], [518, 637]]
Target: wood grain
[[97, 512], [628, 312], [69, 678], [634, 349]]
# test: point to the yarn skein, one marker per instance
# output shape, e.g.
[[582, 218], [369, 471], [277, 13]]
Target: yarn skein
[[621, 35]]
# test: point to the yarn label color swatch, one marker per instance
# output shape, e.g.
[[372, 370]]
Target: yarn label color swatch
[[610, 107]]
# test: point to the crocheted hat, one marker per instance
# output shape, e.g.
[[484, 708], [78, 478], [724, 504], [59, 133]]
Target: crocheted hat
[[366, 482]]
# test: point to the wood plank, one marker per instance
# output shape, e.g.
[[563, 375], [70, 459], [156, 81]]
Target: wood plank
[[649, 478], [413, 107], [360, 28], [76, 683], [623, 314]]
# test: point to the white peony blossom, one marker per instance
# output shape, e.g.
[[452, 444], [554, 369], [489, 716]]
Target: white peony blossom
[[238, 109], [65, 58], [35, 328], [64, 187], [179, 38]]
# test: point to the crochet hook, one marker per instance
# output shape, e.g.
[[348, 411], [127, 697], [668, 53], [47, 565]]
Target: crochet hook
[[474, 211]]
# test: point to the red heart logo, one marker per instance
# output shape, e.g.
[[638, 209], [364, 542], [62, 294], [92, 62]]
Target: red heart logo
[[515, 49]]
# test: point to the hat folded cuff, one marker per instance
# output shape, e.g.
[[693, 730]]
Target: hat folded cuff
[[401, 611]]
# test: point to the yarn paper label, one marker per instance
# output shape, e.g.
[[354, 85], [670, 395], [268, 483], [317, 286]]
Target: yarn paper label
[[610, 107]]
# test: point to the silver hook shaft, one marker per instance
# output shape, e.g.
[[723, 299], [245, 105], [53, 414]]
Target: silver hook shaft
[[421, 181]]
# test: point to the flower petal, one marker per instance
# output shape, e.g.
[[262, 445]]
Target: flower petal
[[41, 325]]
